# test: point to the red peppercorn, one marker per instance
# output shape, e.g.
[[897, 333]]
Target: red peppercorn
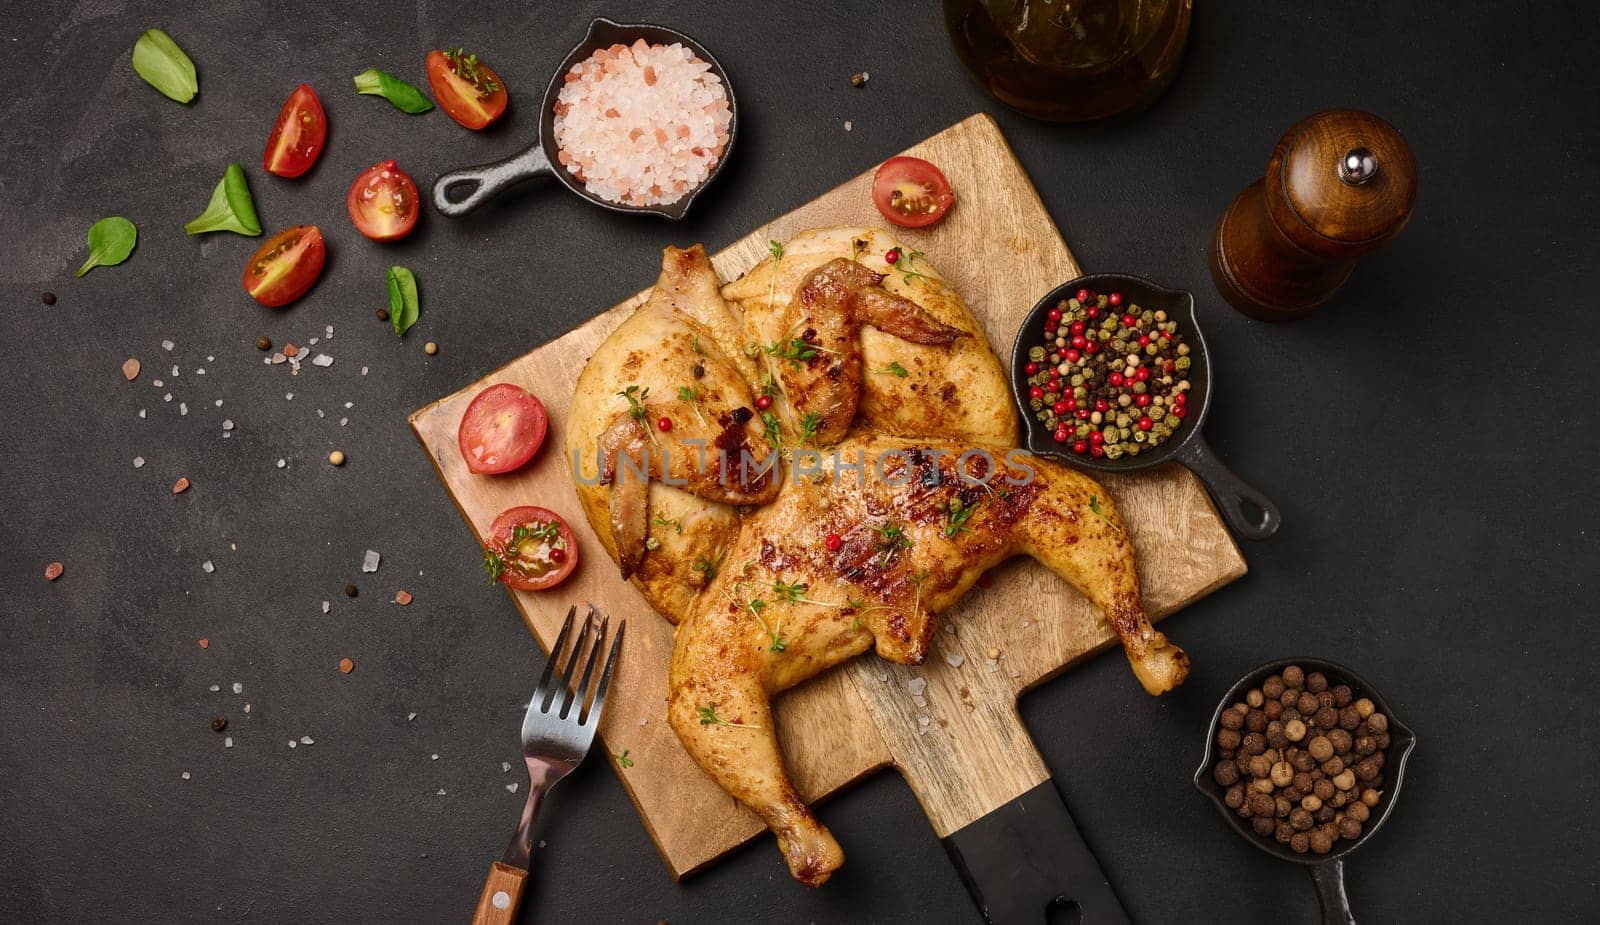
[[1031, 368], [892, 256], [1115, 299], [1101, 405], [1181, 398], [1093, 312], [1129, 321], [1097, 451], [1080, 447], [1083, 295], [1053, 314], [765, 401], [1097, 438], [1115, 379], [558, 555], [1144, 340], [1142, 374], [1073, 356], [1180, 412], [664, 424], [1080, 342], [1077, 327], [1072, 404], [833, 541], [1146, 423], [1061, 435], [1060, 407], [1093, 347], [1082, 414], [1036, 392], [1142, 400]]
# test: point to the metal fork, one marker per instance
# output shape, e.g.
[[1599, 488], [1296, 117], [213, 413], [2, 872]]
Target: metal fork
[[555, 738]]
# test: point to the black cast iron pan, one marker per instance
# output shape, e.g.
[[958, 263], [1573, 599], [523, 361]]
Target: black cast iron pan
[[1232, 495], [460, 191], [1327, 870]]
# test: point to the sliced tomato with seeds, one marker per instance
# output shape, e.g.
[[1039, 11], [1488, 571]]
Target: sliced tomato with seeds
[[911, 192], [503, 427], [383, 202], [298, 135], [468, 90], [285, 267], [530, 549]]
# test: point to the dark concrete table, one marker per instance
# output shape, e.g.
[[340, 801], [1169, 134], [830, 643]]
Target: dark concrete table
[[1430, 438]]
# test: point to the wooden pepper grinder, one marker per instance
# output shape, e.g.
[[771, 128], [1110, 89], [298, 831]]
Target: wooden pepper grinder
[[1340, 184]]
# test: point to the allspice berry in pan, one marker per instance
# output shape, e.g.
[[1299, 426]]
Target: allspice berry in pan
[[1302, 758]]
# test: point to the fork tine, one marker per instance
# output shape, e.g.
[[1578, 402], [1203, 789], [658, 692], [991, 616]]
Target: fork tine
[[580, 692], [605, 678], [564, 679], [555, 653]]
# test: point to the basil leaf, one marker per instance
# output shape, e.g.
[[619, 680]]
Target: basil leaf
[[403, 304], [111, 240], [231, 208], [405, 97], [163, 65]]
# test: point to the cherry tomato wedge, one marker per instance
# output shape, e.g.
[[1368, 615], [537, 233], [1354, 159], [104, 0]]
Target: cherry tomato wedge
[[502, 429], [297, 137], [466, 88], [286, 266], [530, 548], [911, 192], [383, 202]]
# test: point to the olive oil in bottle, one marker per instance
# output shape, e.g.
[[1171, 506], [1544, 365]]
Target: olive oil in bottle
[[1070, 60]]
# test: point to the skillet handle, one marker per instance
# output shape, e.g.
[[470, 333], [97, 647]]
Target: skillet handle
[[1230, 491], [1329, 876], [487, 180], [1023, 856]]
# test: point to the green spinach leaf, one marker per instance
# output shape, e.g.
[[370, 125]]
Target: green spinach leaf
[[163, 65], [405, 97], [111, 240], [231, 207], [404, 306]]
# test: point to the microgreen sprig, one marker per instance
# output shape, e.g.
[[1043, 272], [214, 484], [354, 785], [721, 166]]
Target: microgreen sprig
[[891, 539], [893, 369], [959, 515], [466, 67], [709, 717], [1094, 506]]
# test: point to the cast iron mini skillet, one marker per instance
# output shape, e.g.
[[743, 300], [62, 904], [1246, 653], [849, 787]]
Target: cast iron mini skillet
[[1326, 869], [489, 180], [1186, 446]]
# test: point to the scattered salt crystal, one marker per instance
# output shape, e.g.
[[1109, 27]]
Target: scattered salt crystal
[[435, 756], [307, 740], [955, 659], [175, 372], [157, 383], [167, 345], [278, 359], [644, 720], [219, 403], [227, 424], [320, 414], [848, 125], [227, 741], [919, 701], [326, 606], [312, 341], [410, 717], [505, 767], [441, 791], [511, 787], [268, 360], [363, 370], [238, 688], [288, 396], [322, 359], [370, 562], [1025, 623], [343, 421], [293, 743], [349, 404], [210, 359], [183, 407], [282, 463], [167, 397], [201, 371], [247, 708], [215, 688], [141, 413], [917, 685], [138, 462], [541, 843], [185, 775]]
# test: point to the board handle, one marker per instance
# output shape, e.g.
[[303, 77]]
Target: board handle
[[1027, 854]]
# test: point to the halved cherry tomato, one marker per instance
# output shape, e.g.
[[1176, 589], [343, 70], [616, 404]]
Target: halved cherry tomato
[[297, 138], [466, 88], [911, 192], [383, 202], [545, 553], [502, 429], [286, 266]]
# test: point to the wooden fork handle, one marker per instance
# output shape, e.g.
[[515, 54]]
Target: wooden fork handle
[[502, 894]]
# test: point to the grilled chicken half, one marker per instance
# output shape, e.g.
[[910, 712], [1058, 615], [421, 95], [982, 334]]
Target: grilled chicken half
[[839, 389]]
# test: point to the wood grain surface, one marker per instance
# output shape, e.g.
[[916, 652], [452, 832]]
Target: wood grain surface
[[963, 748]]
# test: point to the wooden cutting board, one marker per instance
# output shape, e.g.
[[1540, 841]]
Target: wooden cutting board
[[963, 748]]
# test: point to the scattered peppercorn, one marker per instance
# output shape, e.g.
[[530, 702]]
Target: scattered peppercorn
[[53, 571], [858, 80], [404, 597], [430, 348], [347, 665], [351, 590], [336, 458], [382, 314], [1302, 759], [47, 297], [263, 343], [219, 724]]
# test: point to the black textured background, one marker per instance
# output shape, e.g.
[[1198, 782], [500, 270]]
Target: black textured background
[[1430, 437]]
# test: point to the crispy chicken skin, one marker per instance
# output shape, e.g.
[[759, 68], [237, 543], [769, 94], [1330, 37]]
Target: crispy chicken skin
[[882, 365], [785, 607]]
